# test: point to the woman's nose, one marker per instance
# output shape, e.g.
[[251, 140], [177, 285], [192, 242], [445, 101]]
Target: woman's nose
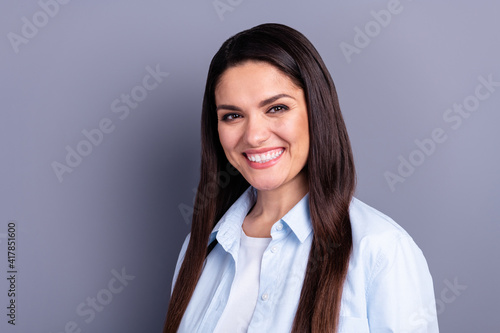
[[257, 131]]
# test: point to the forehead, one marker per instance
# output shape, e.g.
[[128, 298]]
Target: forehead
[[253, 80]]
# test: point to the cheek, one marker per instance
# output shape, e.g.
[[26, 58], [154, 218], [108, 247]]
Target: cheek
[[303, 129], [227, 139], [303, 145], [297, 133]]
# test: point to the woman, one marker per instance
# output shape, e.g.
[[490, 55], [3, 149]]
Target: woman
[[280, 244]]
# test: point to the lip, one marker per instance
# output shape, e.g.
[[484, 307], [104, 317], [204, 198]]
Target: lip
[[261, 150], [269, 164]]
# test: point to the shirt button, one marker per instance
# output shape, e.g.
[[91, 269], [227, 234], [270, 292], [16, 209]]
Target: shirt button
[[274, 249], [279, 227], [265, 297]]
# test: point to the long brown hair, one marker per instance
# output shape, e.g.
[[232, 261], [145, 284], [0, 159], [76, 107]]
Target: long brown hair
[[330, 171]]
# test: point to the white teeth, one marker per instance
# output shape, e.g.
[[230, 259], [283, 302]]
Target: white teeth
[[264, 158]]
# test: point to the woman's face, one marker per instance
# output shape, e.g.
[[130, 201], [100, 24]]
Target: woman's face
[[262, 124]]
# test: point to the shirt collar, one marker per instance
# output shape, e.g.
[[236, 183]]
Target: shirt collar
[[228, 229]]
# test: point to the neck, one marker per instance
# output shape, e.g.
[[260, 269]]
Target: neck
[[272, 205]]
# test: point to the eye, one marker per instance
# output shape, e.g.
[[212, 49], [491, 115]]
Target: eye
[[277, 108], [230, 116]]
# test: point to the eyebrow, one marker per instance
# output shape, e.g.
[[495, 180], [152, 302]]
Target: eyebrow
[[261, 104]]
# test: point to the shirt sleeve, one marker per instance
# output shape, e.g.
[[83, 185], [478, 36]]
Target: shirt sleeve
[[400, 293], [180, 259]]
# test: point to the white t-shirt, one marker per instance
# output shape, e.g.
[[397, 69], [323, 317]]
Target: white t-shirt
[[245, 288]]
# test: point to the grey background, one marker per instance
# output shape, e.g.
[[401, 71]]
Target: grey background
[[120, 207]]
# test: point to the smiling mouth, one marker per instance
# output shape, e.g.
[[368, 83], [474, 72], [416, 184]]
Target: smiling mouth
[[266, 157]]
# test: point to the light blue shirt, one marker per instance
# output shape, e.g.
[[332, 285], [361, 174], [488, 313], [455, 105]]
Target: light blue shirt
[[388, 286]]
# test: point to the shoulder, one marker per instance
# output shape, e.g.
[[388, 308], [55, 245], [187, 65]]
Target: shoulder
[[180, 259], [391, 269], [182, 252], [378, 241], [371, 226]]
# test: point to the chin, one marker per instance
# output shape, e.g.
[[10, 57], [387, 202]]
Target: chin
[[265, 185]]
